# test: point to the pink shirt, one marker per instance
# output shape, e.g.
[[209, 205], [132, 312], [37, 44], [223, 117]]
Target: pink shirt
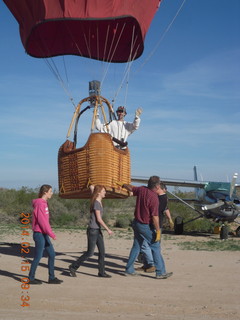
[[146, 204], [40, 217]]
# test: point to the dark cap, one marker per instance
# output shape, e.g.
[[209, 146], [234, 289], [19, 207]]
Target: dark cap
[[121, 109]]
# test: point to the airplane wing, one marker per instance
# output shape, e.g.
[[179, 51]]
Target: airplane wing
[[172, 182], [176, 182]]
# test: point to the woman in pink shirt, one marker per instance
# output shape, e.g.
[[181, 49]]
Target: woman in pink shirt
[[41, 233]]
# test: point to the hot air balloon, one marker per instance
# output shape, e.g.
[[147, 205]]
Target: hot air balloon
[[105, 30]]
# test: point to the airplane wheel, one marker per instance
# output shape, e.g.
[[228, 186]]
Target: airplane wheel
[[238, 232], [224, 232], [178, 225]]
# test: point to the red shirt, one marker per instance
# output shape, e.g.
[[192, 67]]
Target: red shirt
[[146, 204]]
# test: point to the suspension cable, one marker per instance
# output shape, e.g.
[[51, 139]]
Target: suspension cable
[[126, 73], [110, 60], [116, 45], [162, 37], [105, 45], [53, 68]]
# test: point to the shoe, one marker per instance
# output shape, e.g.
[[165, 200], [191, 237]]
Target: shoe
[[35, 281], [142, 268], [72, 271], [55, 281], [133, 274], [150, 269], [164, 276], [105, 275]]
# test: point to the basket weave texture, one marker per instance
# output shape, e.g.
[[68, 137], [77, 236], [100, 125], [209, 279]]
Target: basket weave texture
[[97, 163]]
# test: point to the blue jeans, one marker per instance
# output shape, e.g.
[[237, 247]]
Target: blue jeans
[[42, 242], [147, 255], [95, 238], [144, 232]]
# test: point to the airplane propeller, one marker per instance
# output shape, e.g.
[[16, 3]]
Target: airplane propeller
[[233, 183], [230, 203], [212, 206]]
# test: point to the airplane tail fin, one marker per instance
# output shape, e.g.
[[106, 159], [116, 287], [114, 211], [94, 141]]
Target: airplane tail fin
[[195, 173], [197, 190]]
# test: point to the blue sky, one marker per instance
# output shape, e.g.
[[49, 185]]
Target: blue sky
[[189, 90]]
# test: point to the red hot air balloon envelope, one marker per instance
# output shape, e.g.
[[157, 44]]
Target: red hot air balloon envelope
[[106, 30]]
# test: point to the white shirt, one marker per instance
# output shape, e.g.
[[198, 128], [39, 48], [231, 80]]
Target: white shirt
[[118, 129]]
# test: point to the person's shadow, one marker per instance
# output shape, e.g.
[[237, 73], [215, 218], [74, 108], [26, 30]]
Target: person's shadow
[[115, 265]]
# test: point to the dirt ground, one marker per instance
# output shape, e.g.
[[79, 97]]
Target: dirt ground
[[205, 285]]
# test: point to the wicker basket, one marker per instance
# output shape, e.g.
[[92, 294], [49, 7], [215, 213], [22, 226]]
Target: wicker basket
[[98, 162]]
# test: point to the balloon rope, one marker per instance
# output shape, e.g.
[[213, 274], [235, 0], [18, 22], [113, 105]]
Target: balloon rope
[[87, 46], [86, 42], [65, 69], [120, 35], [105, 46], [130, 59], [126, 73], [127, 86], [53, 68], [162, 37], [98, 45], [70, 34], [110, 59]]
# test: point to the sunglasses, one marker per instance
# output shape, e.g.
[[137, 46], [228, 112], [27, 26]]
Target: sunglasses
[[120, 111]]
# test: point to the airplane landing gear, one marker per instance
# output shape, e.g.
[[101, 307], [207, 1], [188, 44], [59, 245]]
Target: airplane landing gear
[[238, 232], [224, 232], [178, 225]]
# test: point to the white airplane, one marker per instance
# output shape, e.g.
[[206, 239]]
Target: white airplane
[[214, 200]]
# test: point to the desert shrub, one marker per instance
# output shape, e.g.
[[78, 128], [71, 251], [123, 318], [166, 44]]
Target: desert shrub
[[73, 205], [123, 220], [13, 202], [68, 212], [63, 211], [65, 219], [120, 205], [200, 225], [180, 209]]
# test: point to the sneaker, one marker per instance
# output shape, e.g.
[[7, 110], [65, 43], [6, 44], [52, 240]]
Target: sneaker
[[72, 271], [164, 276], [105, 275], [55, 281], [35, 281], [150, 269], [133, 274]]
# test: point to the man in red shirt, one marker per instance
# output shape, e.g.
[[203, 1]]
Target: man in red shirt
[[146, 226]]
